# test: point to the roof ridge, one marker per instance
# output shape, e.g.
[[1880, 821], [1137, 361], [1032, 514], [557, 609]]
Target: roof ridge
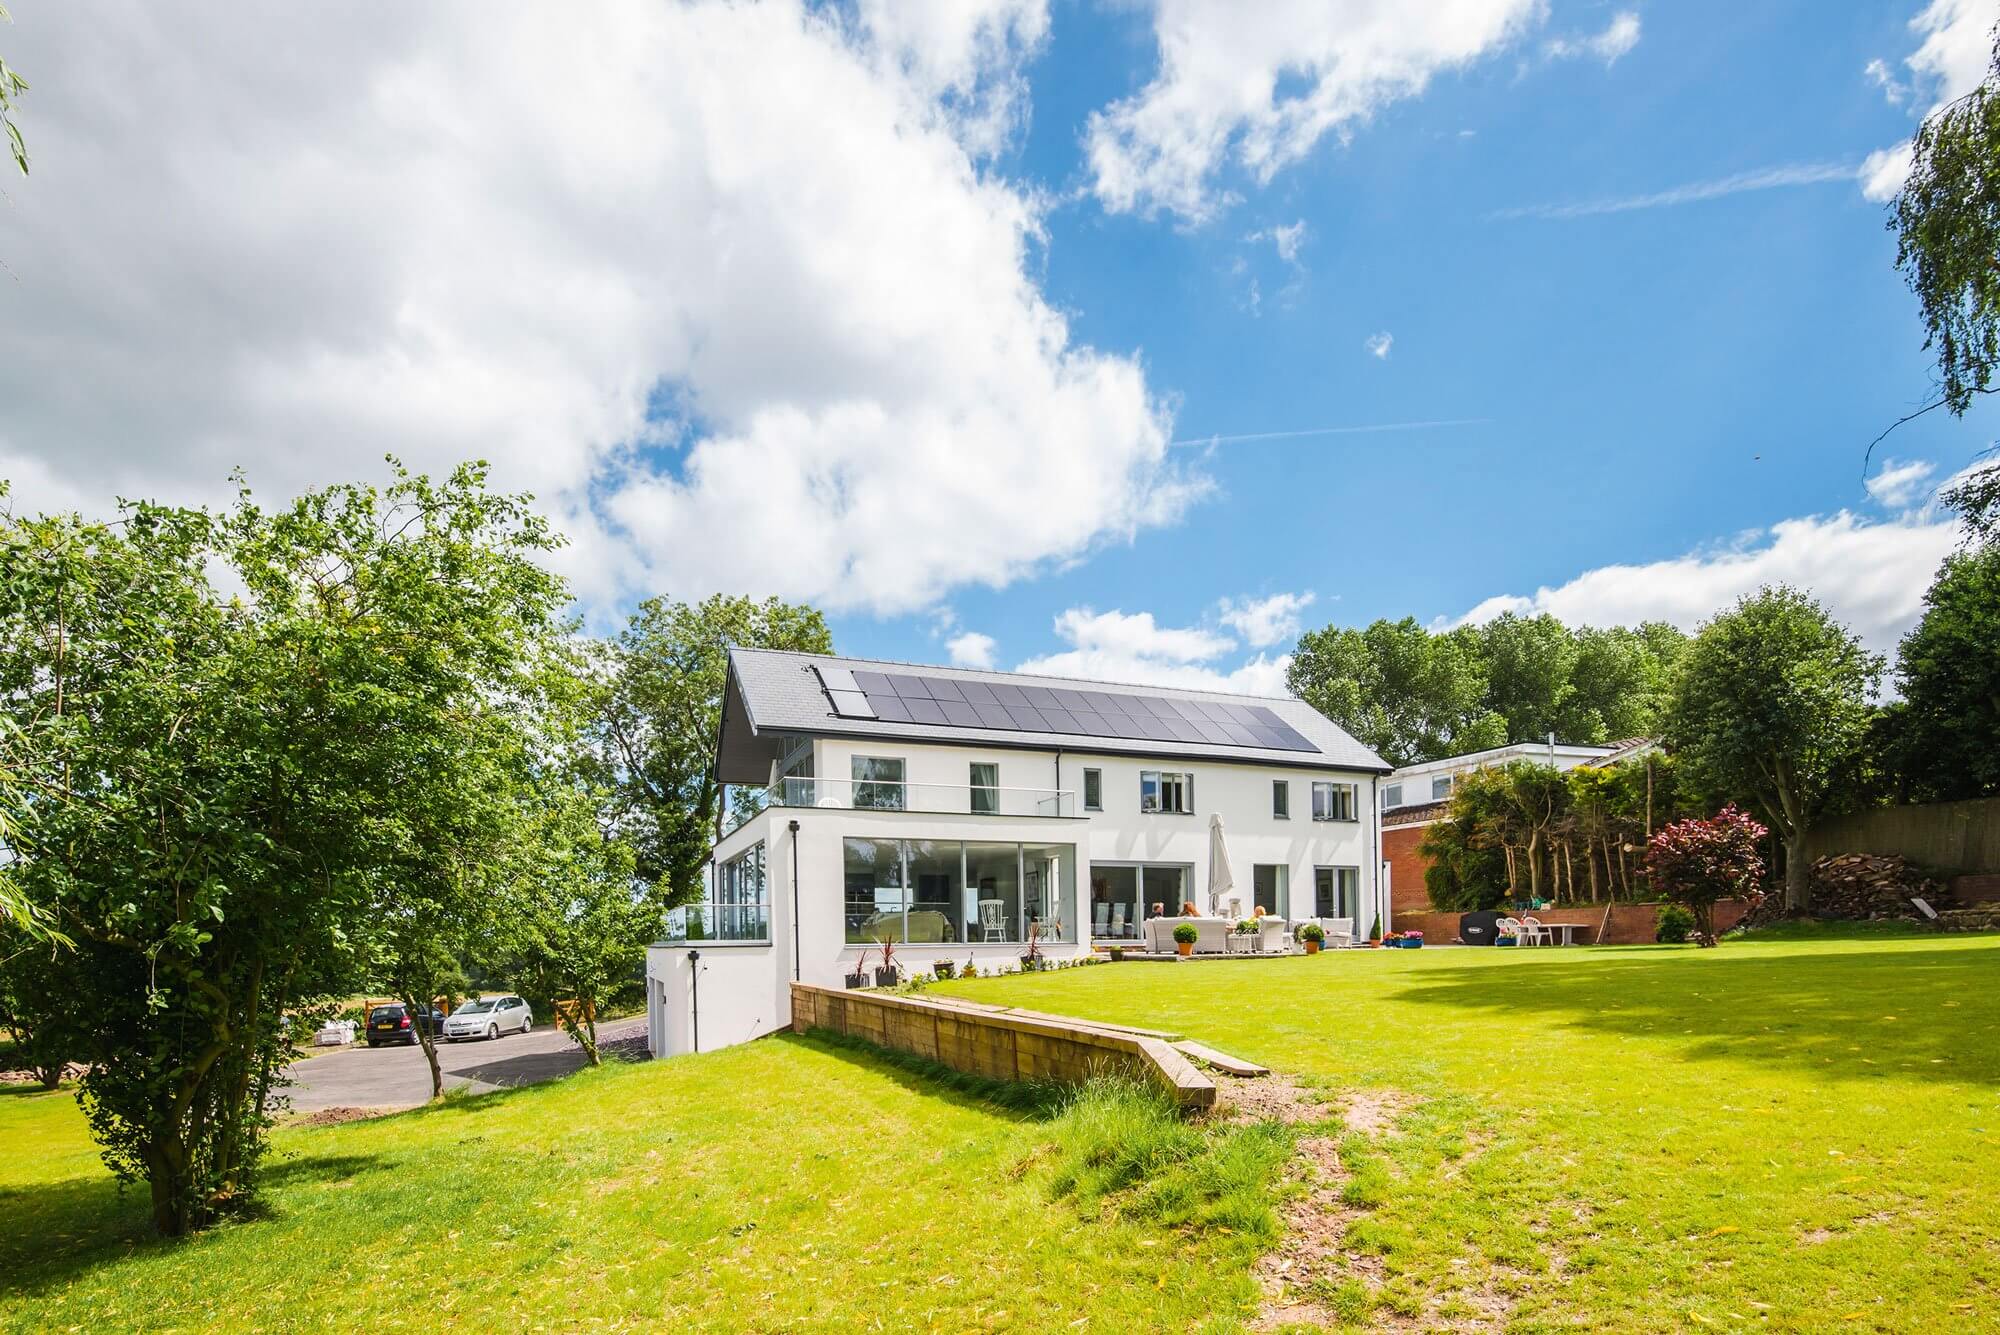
[[1002, 672]]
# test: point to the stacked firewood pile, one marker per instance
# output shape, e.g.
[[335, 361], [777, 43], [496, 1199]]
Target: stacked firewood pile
[[1860, 885]]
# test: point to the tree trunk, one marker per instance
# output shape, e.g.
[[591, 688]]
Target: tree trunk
[[428, 1042], [1590, 868], [1535, 865], [1798, 874]]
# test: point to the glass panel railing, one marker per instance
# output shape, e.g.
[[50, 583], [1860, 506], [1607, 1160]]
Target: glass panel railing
[[718, 922], [937, 798]]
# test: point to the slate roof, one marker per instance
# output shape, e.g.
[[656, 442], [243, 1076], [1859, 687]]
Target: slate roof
[[775, 691]]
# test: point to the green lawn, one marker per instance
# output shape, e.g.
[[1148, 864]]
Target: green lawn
[[1799, 1134], [1795, 1135]]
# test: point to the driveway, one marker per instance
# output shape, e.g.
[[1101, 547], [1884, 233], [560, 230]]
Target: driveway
[[399, 1077]]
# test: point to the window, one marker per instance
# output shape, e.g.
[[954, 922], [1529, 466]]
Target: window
[[1333, 801], [1166, 790], [1093, 790], [937, 891], [1267, 888], [1392, 796], [796, 783], [738, 910], [1441, 788], [878, 783], [1281, 799], [985, 788], [1336, 890]]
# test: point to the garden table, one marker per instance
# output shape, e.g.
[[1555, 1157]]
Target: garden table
[[1567, 929]]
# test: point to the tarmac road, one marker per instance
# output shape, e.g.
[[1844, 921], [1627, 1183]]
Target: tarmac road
[[399, 1077]]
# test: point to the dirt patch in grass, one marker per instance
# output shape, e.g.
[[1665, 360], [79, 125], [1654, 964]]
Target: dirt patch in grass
[[1374, 1112], [1270, 1098], [335, 1116]]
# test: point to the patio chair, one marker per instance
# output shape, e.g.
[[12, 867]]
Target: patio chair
[[1274, 936], [1100, 918], [1510, 927], [992, 920], [1339, 932], [1534, 934], [1117, 920]]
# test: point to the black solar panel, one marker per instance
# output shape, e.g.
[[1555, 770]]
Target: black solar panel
[[902, 697]]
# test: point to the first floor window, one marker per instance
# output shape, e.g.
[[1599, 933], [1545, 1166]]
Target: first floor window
[[985, 788], [1333, 801], [1336, 891], [1166, 790], [947, 891], [739, 910], [1441, 788], [1281, 799], [1392, 796], [878, 783], [1093, 790]]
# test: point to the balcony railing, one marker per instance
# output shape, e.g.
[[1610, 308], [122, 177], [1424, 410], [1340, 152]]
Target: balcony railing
[[719, 922], [949, 799]]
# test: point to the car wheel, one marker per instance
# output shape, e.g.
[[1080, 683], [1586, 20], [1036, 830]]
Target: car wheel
[[493, 1031], [528, 1025]]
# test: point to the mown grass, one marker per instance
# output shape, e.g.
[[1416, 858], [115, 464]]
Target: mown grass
[[792, 1184], [1795, 1132]]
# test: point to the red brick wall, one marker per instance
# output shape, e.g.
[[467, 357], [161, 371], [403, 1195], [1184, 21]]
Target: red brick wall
[[1628, 925], [1406, 870]]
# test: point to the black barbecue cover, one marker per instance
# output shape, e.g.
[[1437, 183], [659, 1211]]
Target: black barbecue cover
[[1479, 929]]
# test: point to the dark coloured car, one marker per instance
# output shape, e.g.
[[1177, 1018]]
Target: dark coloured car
[[394, 1024]]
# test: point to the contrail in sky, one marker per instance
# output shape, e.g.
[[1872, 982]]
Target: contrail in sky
[[1326, 431]]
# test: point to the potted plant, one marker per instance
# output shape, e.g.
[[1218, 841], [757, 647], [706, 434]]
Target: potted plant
[[859, 978], [1031, 958], [1185, 935], [885, 972], [943, 968], [1314, 936], [1117, 954]]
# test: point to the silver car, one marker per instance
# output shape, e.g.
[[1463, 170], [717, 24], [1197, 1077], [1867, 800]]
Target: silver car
[[489, 1018]]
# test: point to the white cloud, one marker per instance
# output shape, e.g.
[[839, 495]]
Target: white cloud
[[1763, 178], [1265, 621], [1132, 647], [507, 233], [1894, 90], [972, 649], [1262, 84], [1286, 237], [1378, 345], [1950, 61], [1899, 483], [1617, 39], [1870, 575]]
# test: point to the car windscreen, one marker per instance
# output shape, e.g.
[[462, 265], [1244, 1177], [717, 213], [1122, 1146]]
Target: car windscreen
[[474, 1008], [386, 1013]]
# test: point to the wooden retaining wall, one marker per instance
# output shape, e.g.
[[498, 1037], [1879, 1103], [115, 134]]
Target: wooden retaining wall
[[1000, 1044]]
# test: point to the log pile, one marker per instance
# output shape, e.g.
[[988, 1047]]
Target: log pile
[[1860, 885]]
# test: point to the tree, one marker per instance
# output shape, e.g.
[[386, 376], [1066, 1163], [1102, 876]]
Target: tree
[[1403, 692], [1948, 668], [659, 715], [587, 920], [1947, 225], [1697, 862], [1773, 704], [221, 783], [12, 85], [1530, 666], [32, 1007]]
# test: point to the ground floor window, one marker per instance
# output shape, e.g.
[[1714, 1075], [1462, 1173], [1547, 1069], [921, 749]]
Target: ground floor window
[[1123, 895], [937, 891], [1336, 891], [1268, 888]]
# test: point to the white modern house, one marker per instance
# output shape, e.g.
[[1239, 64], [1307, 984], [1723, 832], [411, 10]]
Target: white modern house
[[959, 814]]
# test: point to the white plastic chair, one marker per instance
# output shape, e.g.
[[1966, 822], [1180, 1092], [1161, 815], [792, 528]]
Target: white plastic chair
[[1339, 932], [1534, 933], [992, 919], [1512, 927]]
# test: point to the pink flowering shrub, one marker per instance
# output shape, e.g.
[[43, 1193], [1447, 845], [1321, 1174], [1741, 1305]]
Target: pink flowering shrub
[[1696, 862]]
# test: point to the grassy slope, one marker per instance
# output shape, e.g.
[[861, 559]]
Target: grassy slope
[[1792, 1135], [786, 1184]]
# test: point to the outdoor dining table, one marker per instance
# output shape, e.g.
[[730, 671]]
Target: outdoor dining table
[[1568, 930]]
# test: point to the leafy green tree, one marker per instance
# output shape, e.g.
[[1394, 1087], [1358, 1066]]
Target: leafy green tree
[[1772, 704], [1403, 692], [659, 715], [1530, 667], [1620, 681], [1948, 668], [1947, 225], [587, 916], [33, 1008], [1697, 862], [221, 783]]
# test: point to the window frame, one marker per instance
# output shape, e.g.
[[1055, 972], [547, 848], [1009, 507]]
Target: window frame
[[1281, 799], [1441, 787], [990, 791], [1179, 780], [1352, 805], [856, 784], [1093, 776], [1392, 795]]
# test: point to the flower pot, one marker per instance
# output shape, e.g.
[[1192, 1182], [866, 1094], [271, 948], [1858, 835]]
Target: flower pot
[[1312, 947], [885, 977], [1117, 954], [943, 968], [1184, 948], [857, 979]]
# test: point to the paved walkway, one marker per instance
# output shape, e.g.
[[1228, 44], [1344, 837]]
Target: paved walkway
[[399, 1077]]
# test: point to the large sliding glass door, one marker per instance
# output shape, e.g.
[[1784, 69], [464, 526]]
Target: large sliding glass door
[[935, 891], [1125, 894]]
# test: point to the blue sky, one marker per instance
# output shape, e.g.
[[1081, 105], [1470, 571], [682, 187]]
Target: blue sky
[[941, 314]]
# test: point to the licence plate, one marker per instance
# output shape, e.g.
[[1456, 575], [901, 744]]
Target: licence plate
[[385, 1026]]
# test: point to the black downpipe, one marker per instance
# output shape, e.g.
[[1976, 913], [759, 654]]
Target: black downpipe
[[694, 969], [794, 827]]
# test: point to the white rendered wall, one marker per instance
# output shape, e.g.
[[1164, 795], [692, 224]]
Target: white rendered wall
[[737, 987]]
